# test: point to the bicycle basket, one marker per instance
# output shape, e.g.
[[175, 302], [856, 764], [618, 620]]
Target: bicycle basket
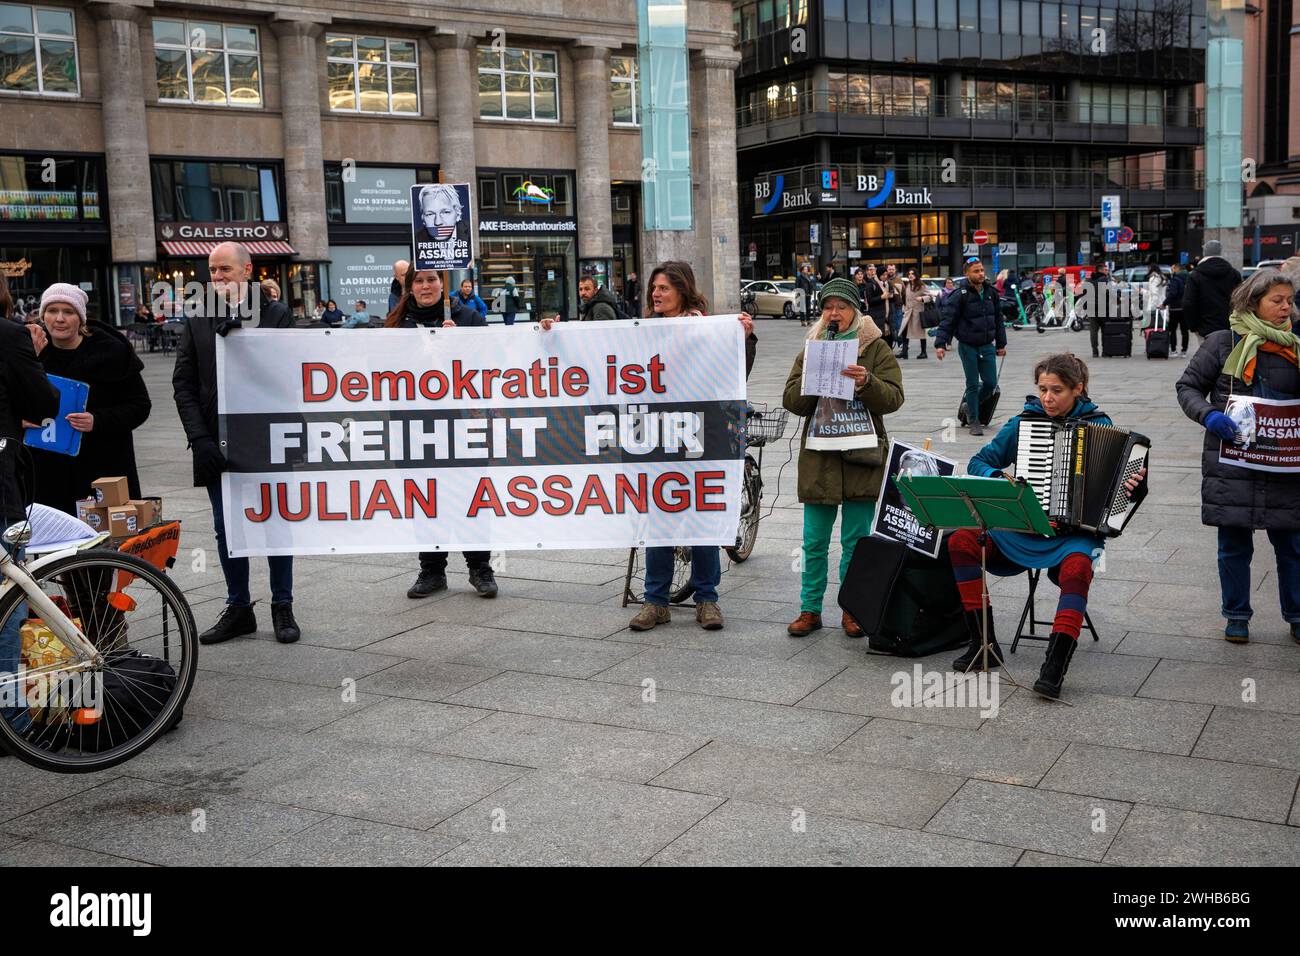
[[764, 426]]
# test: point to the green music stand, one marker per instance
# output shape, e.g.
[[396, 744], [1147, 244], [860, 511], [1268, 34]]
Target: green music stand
[[986, 504]]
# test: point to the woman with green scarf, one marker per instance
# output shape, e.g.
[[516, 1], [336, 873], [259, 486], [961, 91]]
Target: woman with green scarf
[[1254, 358], [833, 480]]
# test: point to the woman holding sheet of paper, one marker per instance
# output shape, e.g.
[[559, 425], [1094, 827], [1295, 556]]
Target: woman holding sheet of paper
[[842, 449], [118, 403]]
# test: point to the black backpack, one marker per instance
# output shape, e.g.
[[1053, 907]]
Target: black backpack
[[905, 601]]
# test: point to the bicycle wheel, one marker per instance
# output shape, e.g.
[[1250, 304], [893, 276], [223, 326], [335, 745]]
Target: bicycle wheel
[[132, 693], [751, 501], [682, 590]]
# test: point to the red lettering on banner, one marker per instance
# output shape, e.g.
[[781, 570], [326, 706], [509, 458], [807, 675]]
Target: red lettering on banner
[[433, 393], [485, 496], [428, 502], [656, 366], [282, 498], [680, 498], [703, 490], [392, 380], [381, 499], [264, 512], [523, 488], [354, 387], [322, 505], [462, 380], [561, 493], [623, 490], [593, 496], [514, 383], [331, 379], [575, 381]]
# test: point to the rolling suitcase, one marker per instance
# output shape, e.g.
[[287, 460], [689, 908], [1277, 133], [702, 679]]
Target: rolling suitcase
[[1117, 339], [1158, 338], [987, 409]]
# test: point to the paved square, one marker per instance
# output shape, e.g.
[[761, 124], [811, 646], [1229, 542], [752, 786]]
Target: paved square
[[537, 729]]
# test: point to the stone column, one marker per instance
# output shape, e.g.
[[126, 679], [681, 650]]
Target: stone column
[[304, 167], [717, 224], [955, 90], [126, 134], [591, 93], [457, 95]]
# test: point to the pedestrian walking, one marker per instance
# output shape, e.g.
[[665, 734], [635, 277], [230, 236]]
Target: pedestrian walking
[[632, 296], [971, 316], [194, 383], [507, 301], [118, 402], [1255, 356], [809, 289], [1093, 300], [843, 483], [1207, 299], [470, 299], [1174, 306], [915, 298]]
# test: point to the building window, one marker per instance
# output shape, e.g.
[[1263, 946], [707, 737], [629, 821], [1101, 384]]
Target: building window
[[200, 191], [36, 188], [211, 64], [521, 85], [622, 79], [372, 75], [38, 51]]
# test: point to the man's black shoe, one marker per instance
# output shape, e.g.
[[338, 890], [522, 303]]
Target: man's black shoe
[[235, 621], [429, 582], [286, 628], [483, 581]]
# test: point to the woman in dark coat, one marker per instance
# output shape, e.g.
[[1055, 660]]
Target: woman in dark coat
[[874, 301], [117, 404], [1255, 356]]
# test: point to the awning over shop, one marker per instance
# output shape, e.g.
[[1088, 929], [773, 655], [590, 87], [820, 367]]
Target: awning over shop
[[270, 247]]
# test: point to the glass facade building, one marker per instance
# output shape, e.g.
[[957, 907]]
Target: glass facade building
[[889, 130]]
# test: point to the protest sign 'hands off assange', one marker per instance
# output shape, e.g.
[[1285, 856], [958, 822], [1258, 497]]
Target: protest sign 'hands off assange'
[[603, 435]]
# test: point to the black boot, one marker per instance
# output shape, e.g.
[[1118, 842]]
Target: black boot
[[974, 653], [429, 582], [483, 581], [286, 628], [235, 621], [1060, 648]]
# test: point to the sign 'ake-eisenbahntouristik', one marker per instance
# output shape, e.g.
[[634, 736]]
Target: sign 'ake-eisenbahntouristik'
[[591, 435]]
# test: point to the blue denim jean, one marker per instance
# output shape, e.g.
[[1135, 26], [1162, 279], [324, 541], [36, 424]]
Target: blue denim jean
[[236, 569], [706, 572], [11, 645], [1236, 547], [980, 363]]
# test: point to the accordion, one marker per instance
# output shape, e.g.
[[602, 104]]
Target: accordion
[[1078, 470]]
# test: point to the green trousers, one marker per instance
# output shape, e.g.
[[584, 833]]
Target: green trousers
[[818, 523]]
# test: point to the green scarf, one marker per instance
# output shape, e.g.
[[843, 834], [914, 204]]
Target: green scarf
[[1254, 331]]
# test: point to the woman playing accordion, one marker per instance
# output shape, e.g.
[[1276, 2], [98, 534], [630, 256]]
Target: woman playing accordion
[[1062, 382]]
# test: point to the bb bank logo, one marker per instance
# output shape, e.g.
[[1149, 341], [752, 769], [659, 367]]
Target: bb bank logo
[[771, 191], [881, 191]]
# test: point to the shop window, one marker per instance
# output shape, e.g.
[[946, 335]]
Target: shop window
[[209, 64], [518, 85], [372, 75], [38, 51], [45, 189], [623, 90], [215, 192]]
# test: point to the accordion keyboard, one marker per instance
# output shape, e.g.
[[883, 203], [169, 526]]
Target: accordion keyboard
[[1034, 456]]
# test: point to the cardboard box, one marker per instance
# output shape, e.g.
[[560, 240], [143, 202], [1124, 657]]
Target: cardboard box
[[122, 521], [148, 511], [111, 492], [93, 514]]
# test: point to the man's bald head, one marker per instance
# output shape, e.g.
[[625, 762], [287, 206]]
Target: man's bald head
[[400, 267]]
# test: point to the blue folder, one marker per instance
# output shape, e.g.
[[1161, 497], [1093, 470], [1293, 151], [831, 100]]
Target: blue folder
[[67, 440]]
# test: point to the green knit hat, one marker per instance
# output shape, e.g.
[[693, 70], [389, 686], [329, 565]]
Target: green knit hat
[[842, 288]]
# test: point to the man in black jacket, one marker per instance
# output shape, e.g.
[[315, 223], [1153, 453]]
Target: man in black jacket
[[194, 383], [595, 303], [972, 315], [1093, 302], [809, 289], [1207, 297]]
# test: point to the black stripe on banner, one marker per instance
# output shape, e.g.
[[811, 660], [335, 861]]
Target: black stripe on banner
[[458, 438]]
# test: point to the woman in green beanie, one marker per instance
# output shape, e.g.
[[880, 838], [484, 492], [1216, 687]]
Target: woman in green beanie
[[835, 479], [1255, 357]]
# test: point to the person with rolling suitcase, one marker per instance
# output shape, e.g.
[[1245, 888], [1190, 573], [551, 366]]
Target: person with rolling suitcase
[[972, 316]]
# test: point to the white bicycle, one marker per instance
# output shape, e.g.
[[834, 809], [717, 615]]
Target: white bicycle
[[98, 652]]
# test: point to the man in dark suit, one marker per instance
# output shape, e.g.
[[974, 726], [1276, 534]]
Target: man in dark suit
[[236, 298]]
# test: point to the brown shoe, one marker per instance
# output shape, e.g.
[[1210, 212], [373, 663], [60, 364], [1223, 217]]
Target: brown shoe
[[709, 616], [851, 627], [804, 624], [649, 616]]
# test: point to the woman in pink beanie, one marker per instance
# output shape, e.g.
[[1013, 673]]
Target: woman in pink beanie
[[99, 355]]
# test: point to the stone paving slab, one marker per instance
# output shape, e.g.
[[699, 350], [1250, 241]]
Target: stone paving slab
[[1210, 651], [497, 649], [874, 793], [1223, 685], [592, 750], [867, 690], [342, 841], [723, 675], [1056, 823], [557, 819], [750, 834], [1156, 836], [546, 696], [154, 823], [425, 680], [45, 853], [1158, 726], [417, 724], [1251, 736], [1002, 758], [1189, 783]]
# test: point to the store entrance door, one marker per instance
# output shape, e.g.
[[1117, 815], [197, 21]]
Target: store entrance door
[[551, 280]]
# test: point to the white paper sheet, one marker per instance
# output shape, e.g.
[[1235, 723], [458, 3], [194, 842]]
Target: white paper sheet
[[823, 365]]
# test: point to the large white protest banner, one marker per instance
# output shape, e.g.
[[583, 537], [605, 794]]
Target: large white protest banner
[[591, 435]]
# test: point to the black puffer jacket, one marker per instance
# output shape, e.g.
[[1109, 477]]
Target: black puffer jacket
[[1208, 294], [120, 403], [1233, 497], [25, 394], [971, 317]]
